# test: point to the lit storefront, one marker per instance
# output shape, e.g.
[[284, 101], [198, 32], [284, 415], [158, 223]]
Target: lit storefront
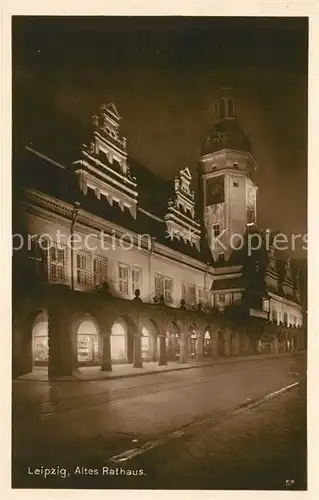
[[207, 345], [118, 344], [40, 343], [88, 344]]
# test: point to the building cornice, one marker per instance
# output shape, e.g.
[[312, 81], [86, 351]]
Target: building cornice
[[59, 208]]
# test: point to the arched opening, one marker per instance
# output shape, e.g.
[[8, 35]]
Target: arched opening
[[207, 352], [193, 345], [146, 345], [122, 339], [119, 343], [173, 347], [88, 343], [38, 339], [40, 343]]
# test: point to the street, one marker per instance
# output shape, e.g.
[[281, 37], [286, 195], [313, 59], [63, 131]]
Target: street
[[201, 428]]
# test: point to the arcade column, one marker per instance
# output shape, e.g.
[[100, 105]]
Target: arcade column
[[183, 356], [214, 337], [200, 348], [227, 342], [61, 355], [106, 362], [162, 351], [137, 350]]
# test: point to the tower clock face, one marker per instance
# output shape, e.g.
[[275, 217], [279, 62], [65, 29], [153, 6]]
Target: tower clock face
[[215, 192]]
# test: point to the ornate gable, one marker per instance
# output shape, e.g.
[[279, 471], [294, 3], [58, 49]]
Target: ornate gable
[[297, 285], [272, 276], [103, 167], [180, 218], [287, 284]]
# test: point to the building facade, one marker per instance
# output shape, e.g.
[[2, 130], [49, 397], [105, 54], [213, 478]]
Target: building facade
[[113, 265]]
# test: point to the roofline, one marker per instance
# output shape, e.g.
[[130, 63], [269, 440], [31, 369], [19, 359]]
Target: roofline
[[46, 158]]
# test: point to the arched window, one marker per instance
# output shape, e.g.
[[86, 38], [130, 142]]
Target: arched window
[[40, 343], [88, 343], [118, 343]]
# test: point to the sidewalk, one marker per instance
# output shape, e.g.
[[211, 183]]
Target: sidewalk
[[94, 373]]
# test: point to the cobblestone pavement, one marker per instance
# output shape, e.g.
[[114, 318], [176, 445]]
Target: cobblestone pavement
[[261, 447]]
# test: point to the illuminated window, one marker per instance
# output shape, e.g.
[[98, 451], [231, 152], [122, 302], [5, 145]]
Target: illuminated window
[[201, 295], [136, 279], [99, 270], [123, 271], [83, 267], [168, 290], [36, 256], [164, 286], [189, 294], [58, 263]]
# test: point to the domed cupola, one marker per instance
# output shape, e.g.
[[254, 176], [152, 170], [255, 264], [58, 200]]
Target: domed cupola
[[226, 132]]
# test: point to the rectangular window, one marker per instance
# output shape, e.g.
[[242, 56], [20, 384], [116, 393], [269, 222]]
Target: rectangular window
[[216, 230], [57, 263], [168, 290], [189, 294], [164, 286], [236, 298], [136, 279], [123, 278], [184, 291], [83, 268], [192, 299], [158, 285], [99, 270], [37, 256], [201, 295], [221, 297]]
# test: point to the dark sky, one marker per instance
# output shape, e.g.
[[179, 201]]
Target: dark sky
[[163, 74]]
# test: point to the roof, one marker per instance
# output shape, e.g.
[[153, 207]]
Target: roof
[[36, 171], [226, 134], [228, 283]]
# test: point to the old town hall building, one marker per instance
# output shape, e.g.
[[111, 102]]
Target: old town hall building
[[113, 265]]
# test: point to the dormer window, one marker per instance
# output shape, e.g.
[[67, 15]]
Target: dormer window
[[231, 108]]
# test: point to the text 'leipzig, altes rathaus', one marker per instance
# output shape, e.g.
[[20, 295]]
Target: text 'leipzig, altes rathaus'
[[113, 265]]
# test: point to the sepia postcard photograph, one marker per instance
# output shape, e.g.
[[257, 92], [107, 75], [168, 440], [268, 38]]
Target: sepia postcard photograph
[[159, 253]]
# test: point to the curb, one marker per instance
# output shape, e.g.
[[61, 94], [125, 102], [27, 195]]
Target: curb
[[149, 445], [217, 362]]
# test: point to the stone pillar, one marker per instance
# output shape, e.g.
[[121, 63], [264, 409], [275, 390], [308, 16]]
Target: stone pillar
[[183, 354], [235, 345], [24, 358], [227, 343], [297, 340], [200, 348], [214, 337], [106, 362], [275, 345], [171, 355], [162, 351], [286, 341], [137, 351], [153, 347], [61, 348]]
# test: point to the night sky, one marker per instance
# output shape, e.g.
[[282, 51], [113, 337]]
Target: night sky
[[163, 74]]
